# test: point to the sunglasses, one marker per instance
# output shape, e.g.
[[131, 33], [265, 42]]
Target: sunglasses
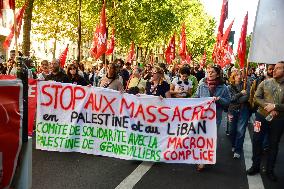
[[185, 82]]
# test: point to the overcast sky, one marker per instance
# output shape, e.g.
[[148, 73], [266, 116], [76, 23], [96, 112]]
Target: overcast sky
[[237, 11]]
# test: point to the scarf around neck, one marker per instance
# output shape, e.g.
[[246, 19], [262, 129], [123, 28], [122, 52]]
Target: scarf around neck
[[212, 84]]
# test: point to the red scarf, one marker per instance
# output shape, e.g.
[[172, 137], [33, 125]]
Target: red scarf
[[212, 84]]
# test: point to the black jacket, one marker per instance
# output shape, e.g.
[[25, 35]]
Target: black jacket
[[59, 77]]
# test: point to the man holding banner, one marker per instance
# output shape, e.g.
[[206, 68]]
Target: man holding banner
[[56, 74]]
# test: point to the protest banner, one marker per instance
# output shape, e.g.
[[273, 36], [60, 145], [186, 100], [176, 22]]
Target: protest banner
[[11, 109], [99, 121], [31, 101]]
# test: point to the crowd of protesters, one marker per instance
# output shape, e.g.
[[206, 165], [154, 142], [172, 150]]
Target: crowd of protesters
[[236, 93]]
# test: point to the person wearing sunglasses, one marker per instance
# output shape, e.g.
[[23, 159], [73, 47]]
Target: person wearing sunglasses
[[147, 74], [136, 83], [74, 77], [157, 85], [181, 86]]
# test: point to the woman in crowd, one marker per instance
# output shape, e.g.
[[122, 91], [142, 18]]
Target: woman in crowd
[[147, 74], [157, 85], [181, 86], [11, 67], [136, 83], [213, 86], [238, 114], [111, 80], [74, 77], [44, 70]]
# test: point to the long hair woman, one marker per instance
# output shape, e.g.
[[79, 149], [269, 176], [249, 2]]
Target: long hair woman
[[238, 114], [157, 85], [74, 77], [214, 86], [111, 80], [136, 83]]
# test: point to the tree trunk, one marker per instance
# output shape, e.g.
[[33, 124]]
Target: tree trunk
[[27, 28], [79, 32], [54, 48]]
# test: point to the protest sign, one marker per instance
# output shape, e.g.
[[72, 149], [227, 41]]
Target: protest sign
[[32, 105], [72, 118], [32, 100], [11, 106]]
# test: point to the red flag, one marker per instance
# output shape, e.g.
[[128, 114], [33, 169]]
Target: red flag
[[223, 16], [7, 4], [19, 19], [226, 35], [102, 39], [242, 43], [63, 57], [111, 44], [188, 58], [93, 50], [227, 56], [203, 60], [171, 51], [131, 54], [182, 47], [221, 47]]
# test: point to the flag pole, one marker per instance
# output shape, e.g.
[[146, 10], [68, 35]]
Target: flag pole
[[15, 33], [246, 76]]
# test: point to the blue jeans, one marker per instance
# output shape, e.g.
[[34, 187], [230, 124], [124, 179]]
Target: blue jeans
[[238, 122]]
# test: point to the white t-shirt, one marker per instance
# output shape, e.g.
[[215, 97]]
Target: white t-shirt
[[181, 86]]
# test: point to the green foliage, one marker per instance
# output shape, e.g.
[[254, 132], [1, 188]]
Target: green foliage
[[149, 23]]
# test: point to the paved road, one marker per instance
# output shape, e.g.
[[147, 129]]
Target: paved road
[[76, 170]]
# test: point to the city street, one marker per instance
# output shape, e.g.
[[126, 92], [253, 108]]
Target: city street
[[76, 170]]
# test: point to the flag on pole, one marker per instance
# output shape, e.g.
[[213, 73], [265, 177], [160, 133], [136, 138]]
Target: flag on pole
[[63, 57], [7, 4], [223, 16], [171, 51], [111, 44], [131, 54], [102, 39], [227, 55], [182, 47], [242, 43], [93, 50], [19, 19], [222, 47], [226, 35], [188, 58]]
